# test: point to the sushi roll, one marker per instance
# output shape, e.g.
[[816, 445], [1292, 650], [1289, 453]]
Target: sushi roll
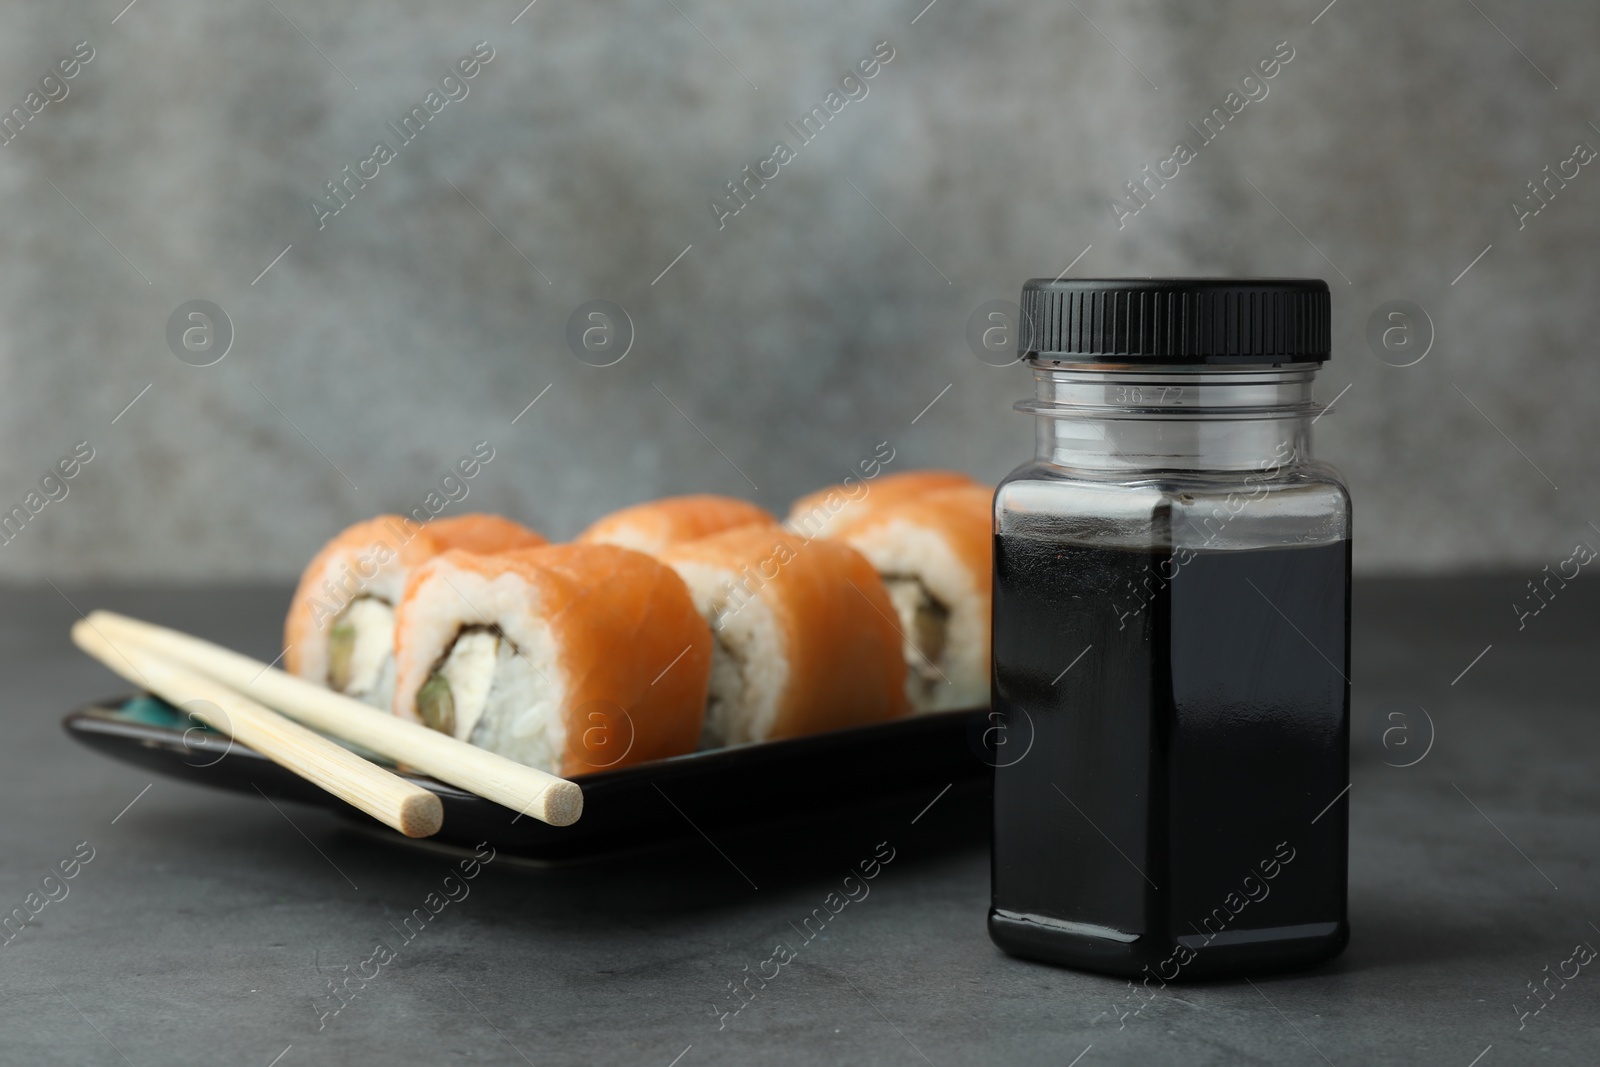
[[652, 527], [818, 514], [804, 635], [933, 552], [569, 658], [340, 629]]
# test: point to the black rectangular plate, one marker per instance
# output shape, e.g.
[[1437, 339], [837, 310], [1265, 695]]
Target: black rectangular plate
[[818, 779]]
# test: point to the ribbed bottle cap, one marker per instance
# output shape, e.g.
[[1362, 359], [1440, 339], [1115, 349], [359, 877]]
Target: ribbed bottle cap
[[1175, 320]]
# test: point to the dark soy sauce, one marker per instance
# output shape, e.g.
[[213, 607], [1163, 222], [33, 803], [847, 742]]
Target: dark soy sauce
[[1178, 813]]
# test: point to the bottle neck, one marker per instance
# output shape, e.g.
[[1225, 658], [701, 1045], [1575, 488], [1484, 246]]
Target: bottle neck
[[1112, 417]]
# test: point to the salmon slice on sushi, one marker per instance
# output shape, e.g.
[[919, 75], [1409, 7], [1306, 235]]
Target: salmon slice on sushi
[[818, 514], [658, 524], [569, 658], [804, 635], [934, 553], [340, 629]]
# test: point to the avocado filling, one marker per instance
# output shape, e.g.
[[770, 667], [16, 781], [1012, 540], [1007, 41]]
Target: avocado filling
[[361, 651], [924, 627], [436, 705]]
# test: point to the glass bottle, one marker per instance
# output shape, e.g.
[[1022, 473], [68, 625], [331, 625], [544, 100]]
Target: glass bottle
[[1171, 636]]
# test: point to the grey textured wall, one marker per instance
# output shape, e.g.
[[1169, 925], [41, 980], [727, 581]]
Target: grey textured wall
[[821, 319]]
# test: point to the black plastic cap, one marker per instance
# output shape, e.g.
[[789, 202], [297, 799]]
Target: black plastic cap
[[1175, 320]]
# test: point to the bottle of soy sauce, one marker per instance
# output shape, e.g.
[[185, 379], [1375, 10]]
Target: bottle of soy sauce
[[1171, 636]]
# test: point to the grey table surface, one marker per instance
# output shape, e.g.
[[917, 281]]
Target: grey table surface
[[207, 926]]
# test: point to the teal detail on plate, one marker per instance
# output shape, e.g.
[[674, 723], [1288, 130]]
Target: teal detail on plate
[[153, 711]]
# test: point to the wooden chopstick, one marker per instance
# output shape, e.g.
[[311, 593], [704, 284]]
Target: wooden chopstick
[[533, 792], [387, 797]]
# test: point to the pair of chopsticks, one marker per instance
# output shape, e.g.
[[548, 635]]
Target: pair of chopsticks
[[237, 695]]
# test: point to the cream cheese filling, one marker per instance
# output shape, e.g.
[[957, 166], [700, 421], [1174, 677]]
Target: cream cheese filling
[[724, 696], [486, 691], [361, 651], [924, 629]]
